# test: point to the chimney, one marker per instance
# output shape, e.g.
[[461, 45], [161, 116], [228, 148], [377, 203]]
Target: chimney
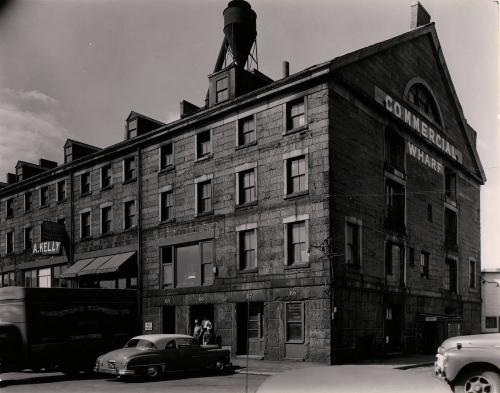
[[419, 16], [286, 69]]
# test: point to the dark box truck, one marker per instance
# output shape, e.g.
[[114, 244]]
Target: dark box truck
[[63, 328]]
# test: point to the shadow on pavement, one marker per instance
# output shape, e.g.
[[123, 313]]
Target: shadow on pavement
[[172, 376], [27, 378]]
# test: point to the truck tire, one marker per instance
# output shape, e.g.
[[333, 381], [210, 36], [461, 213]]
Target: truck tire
[[478, 381]]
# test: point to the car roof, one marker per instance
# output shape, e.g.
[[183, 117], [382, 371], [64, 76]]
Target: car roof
[[160, 339]]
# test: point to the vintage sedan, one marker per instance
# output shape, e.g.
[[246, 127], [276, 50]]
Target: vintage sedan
[[152, 355]]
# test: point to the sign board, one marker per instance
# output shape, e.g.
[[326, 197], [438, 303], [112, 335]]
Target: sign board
[[431, 319], [53, 231], [148, 326], [47, 248], [417, 124]]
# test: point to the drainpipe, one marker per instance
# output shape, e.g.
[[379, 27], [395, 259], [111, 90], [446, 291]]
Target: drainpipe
[[139, 236], [71, 251]]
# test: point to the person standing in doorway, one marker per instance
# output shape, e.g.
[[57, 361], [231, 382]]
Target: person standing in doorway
[[197, 331]]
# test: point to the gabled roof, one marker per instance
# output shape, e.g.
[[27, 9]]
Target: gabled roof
[[429, 29], [134, 115]]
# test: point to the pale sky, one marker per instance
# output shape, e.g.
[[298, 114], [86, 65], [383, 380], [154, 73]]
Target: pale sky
[[76, 68]]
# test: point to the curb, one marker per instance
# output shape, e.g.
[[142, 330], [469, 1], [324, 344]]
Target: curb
[[257, 372], [417, 365]]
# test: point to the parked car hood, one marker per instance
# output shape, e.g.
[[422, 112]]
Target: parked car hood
[[475, 340], [124, 353]]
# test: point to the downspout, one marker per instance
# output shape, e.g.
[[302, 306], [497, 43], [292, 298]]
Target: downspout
[[139, 235], [71, 251]]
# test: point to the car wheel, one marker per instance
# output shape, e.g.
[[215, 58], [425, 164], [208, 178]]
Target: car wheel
[[478, 382], [220, 366], [153, 372]]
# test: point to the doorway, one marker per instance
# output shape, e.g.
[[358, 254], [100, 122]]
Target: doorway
[[393, 328], [250, 327], [201, 312], [168, 319]]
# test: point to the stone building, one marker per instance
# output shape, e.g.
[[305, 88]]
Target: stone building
[[329, 215]]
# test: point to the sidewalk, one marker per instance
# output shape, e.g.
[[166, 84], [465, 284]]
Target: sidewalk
[[270, 367]]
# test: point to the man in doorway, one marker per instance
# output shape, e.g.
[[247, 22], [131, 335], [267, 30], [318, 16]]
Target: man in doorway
[[197, 331]]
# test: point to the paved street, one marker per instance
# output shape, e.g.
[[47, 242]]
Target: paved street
[[55, 382]]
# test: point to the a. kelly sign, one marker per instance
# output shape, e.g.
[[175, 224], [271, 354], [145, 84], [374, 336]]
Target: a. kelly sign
[[417, 124], [47, 248]]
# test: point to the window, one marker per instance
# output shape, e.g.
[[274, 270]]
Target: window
[[129, 169], [28, 238], [57, 281], [85, 183], [394, 205], [106, 220], [294, 322], [207, 262], [393, 258], [9, 242], [296, 114], [85, 225], [472, 274], [450, 185], [44, 196], [8, 279], [187, 265], [44, 278], [221, 90], [246, 131], [204, 198], [450, 275], [106, 179], [429, 212], [166, 156], [31, 278], [130, 218], [166, 205], [296, 175], [412, 256], [353, 243], [61, 191], [491, 322], [167, 264], [203, 144], [424, 264], [9, 208], [421, 97], [247, 249], [297, 243], [131, 129], [28, 201], [246, 186], [68, 154], [450, 228], [394, 151]]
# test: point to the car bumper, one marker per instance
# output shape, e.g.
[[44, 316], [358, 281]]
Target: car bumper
[[113, 371], [439, 367]]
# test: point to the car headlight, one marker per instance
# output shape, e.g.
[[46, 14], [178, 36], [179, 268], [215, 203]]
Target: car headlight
[[98, 361], [122, 363]]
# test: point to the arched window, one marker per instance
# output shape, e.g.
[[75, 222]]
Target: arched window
[[422, 98]]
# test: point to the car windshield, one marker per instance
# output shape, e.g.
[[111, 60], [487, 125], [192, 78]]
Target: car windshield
[[140, 343]]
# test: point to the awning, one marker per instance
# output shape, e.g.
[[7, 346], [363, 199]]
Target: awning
[[99, 265], [92, 267], [73, 270], [113, 264]]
